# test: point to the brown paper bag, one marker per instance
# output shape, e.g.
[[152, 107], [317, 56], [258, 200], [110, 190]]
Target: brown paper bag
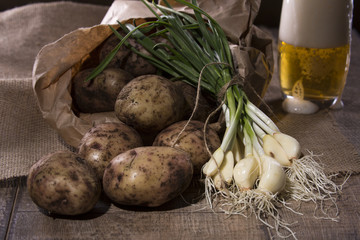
[[57, 63]]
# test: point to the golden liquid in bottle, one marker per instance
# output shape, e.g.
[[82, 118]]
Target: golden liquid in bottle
[[313, 73]]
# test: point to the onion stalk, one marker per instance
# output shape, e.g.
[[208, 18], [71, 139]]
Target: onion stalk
[[198, 53]]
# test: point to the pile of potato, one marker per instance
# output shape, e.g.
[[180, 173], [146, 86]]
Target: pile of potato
[[140, 160]]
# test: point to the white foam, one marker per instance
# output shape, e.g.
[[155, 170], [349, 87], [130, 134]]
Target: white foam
[[299, 106], [316, 23]]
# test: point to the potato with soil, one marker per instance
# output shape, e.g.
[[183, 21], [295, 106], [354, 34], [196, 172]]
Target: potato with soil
[[100, 93], [62, 183], [147, 176], [109, 44], [191, 141], [204, 107], [150, 103], [105, 141], [127, 59]]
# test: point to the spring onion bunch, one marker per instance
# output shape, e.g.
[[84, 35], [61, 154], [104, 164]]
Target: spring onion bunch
[[256, 164]]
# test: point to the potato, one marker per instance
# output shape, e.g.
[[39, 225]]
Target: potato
[[99, 94], [204, 107], [125, 58], [63, 183], [136, 64], [106, 140], [109, 45], [147, 176], [191, 141], [149, 103]]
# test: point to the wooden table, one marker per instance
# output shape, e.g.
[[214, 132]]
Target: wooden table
[[21, 219], [186, 217]]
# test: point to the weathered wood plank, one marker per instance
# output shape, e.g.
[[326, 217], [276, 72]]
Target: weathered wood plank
[[178, 220], [8, 191]]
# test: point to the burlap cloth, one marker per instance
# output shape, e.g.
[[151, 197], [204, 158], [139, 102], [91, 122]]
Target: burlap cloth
[[25, 137]]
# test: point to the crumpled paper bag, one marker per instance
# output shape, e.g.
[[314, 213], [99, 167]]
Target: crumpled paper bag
[[58, 62]]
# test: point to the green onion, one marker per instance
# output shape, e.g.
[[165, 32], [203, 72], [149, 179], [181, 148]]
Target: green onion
[[198, 53]]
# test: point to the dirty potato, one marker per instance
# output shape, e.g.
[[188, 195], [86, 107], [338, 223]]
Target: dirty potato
[[106, 140], [191, 141], [120, 57], [127, 59], [204, 107], [150, 103], [100, 93], [63, 183], [147, 176]]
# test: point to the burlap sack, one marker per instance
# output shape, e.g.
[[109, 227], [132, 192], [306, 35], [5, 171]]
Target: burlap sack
[[26, 137], [58, 62]]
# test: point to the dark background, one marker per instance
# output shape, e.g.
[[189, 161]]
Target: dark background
[[269, 14]]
